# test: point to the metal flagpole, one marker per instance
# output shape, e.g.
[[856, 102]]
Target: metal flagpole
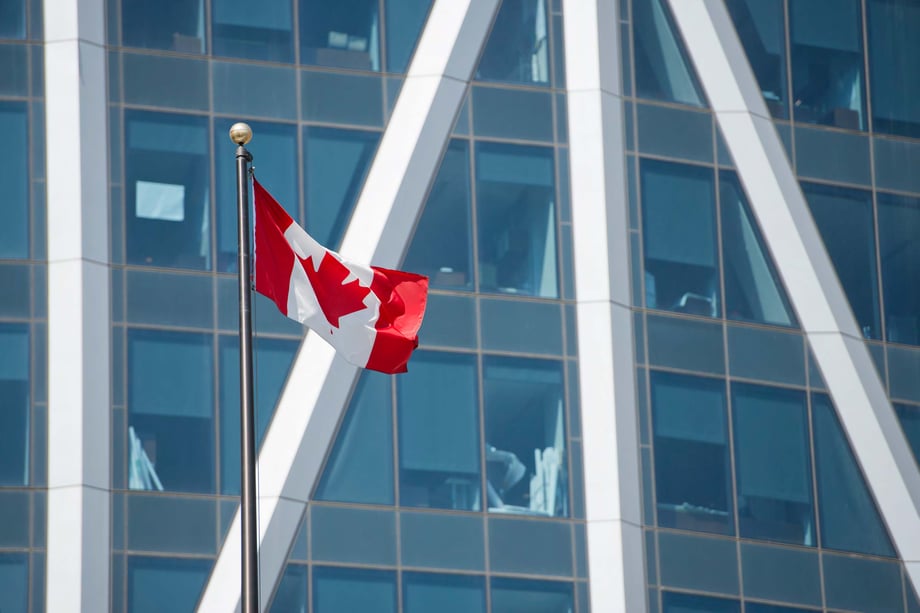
[[241, 133]]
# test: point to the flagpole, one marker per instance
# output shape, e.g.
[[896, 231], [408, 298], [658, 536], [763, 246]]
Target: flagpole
[[241, 134]]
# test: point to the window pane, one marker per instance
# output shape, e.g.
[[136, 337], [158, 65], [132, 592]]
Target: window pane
[[772, 465], [342, 34], [336, 590], [681, 267], [291, 596], [14, 176], [760, 26], [439, 433], [827, 62], [263, 34], [170, 427], [691, 453], [909, 415], [515, 191], [168, 221], [849, 519], [423, 593], [662, 70], [176, 25], [525, 437], [165, 584], [688, 603], [894, 53], [442, 246], [12, 19], [518, 47], [899, 226], [514, 596], [404, 21], [756, 607], [14, 404]]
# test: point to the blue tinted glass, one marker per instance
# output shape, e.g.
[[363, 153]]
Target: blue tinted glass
[[335, 164], [439, 433], [827, 62], [756, 607], [525, 437], [515, 190], [171, 411], [442, 247], [909, 415], [844, 218], [342, 34], [14, 176], [673, 602], [291, 595], [898, 229], [14, 582], [849, 519], [518, 48], [773, 469], [894, 58], [336, 590], [167, 192], [264, 34], [423, 593], [12, 19], [681, 262], [176, 25], [753, 291], [14, 404], [760, 26], [360, 467], [404, 21], [513, 595], [692, 478], [165, 584], [662, 70]]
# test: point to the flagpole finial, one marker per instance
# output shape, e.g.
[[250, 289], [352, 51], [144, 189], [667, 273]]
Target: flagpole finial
[[240, 133]]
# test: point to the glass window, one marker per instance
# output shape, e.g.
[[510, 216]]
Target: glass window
[[165, 584], [673, 602], [525, 437], [662, 70], [344, 589], [291, 595], [171, 409], [442, 246], [515, 190], [894, 56], [404, 22], [692, 476], [773, 469], [14, 582], [341, 34], [423, 593], [175, 25], [909, 415], [518, 47], [14, 404], [515, 595], [760, 25], [14, 176], [263, 34], [12, 19], [168, 220], [844, 218], [439, 433], [899, 226], [849, 519], [335, 164], [360, 466], [827, 62], [681, 267], [753, 291], [757, 607]]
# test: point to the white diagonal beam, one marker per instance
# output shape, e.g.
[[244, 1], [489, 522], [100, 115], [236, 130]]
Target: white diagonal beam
[[803, 263], [606, 362], [319, 384]]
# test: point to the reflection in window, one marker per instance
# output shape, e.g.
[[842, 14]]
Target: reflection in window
[[662, 70], [12, 19], [439, 433], [336, 590], [753, 291], [772, 465], [263, 34], [525, 437], [427, 592], [516, 595], [909, 415], [515, 192], [518, 48], [335, 164], [827, 62], [844, 218], [175, 25], [291, 595], [442, 245], [894, 56], [341, 34], [167, 198], [692, 477], [171, 408], [849, 519], [673, 602], [14, 582], [760, 25], [165, 584], [898, 228], [404, 22], [14, 404], [681, 268], [14, 176]]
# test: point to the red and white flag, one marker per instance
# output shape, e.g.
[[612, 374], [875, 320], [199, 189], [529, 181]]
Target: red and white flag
[[370, 315]]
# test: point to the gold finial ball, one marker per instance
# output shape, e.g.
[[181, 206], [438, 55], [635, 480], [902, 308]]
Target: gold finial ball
[[240, 133]]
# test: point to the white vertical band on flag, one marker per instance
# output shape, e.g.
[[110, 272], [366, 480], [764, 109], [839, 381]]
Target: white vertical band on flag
[[803, 263], [79, 404], [606, 362], [319, 383]]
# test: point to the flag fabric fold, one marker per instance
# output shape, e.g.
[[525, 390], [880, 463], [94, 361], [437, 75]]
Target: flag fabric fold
[[370, 315]]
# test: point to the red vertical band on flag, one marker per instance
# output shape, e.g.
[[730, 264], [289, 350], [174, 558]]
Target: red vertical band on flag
[[403, 297], [274, 259]]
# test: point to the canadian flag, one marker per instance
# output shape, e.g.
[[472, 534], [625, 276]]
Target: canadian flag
[[370, 315]]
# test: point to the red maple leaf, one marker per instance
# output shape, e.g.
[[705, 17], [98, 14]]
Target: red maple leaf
[[335, 297]]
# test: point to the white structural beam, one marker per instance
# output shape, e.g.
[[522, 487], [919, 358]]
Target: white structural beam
[[811, 282], [602, 281], [319, 383], [78, 307]]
